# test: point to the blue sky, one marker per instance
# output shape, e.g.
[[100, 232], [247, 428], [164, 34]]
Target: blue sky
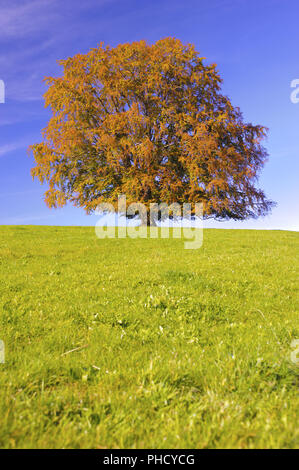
[[254, 43]]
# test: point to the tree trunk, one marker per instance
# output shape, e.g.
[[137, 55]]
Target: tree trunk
[[147, 220]]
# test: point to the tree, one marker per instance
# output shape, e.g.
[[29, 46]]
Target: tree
[[150, 122]]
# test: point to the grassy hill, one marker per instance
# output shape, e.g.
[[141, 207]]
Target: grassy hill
[[176, 348]]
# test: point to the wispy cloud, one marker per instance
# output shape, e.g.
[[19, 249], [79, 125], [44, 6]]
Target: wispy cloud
[[30, 219], [4, 149], [23, 18], [33, 35], [19, 193]]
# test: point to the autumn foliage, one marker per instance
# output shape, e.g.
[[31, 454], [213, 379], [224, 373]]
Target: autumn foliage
[[150, 122]]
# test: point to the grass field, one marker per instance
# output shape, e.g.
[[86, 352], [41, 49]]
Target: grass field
[[179, 348]]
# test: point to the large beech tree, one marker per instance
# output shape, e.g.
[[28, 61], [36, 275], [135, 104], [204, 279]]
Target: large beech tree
[[150, 122]]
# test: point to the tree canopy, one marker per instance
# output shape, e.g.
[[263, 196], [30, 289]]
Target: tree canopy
[[150, 122]]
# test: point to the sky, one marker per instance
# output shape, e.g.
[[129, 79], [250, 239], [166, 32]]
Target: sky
[[253, 42]]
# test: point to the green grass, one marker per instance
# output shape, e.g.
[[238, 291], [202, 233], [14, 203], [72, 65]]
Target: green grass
[[186, 348]]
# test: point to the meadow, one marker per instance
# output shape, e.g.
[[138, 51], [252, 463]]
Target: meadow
[[139, 343]]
